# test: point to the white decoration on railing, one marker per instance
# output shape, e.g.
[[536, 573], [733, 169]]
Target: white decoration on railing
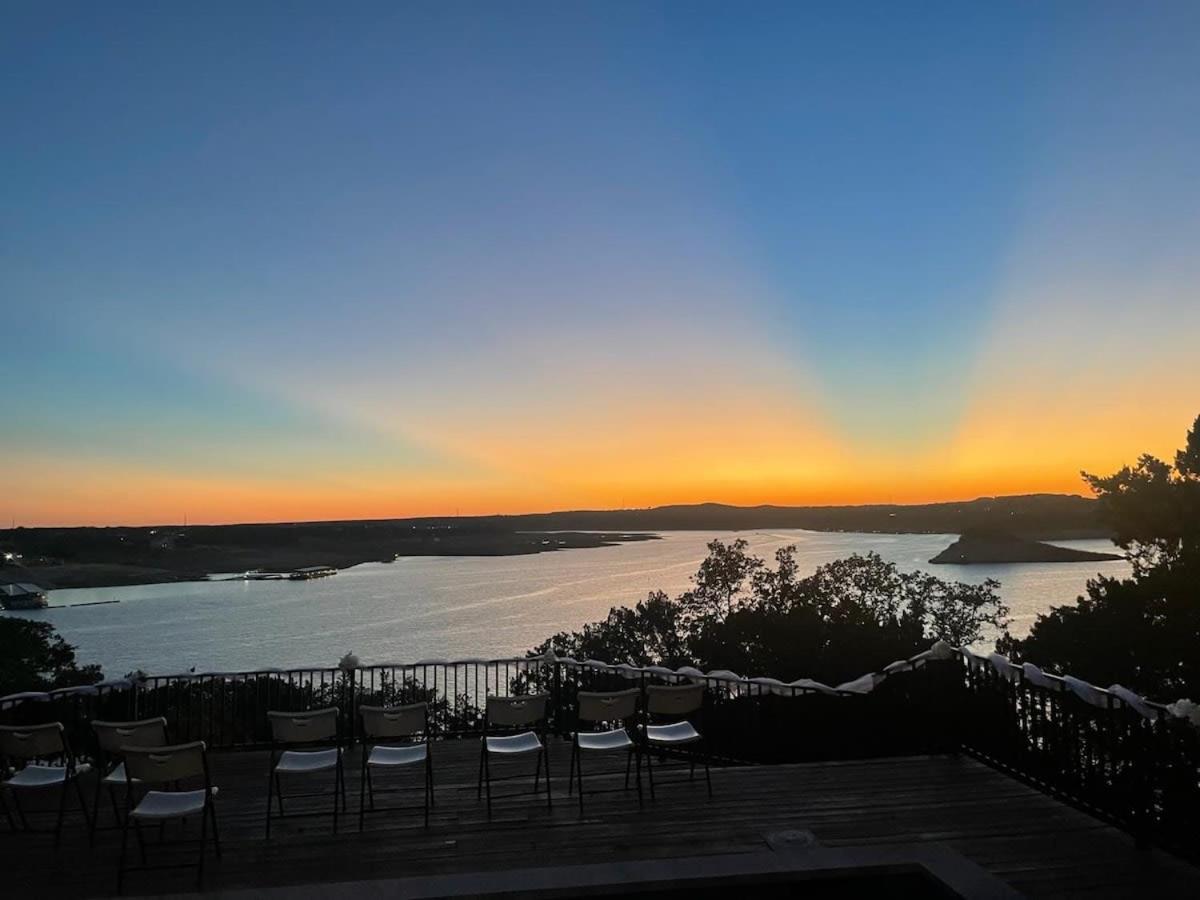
[[809, 684], [939, 650], [1086, 692], [1133, 700], [1186, 709], [864, 684], [731, 681], [1003, 667], [1038, 678]]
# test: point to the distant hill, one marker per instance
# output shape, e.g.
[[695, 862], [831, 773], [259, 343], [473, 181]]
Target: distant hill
[[1034, 516]]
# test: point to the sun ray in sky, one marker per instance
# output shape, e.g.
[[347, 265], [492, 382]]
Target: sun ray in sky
[[266, 264]]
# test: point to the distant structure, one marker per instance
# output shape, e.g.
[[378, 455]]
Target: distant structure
[[22, 596]]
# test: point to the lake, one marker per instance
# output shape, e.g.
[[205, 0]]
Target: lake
[[459, 607]]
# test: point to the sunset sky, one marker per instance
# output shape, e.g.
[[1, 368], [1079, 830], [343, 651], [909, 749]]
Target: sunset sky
[[309, 261]]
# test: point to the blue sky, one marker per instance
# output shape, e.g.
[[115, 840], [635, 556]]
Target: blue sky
[[436, 256]]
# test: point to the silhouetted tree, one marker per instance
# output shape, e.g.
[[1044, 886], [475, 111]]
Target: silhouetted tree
[[849, 617], [34, 657], [1142, 632]]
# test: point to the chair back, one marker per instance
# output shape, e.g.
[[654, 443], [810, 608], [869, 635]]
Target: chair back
[[112, 736], [598, 706], [159, 764], [674, 701], [513, 712], [32, 741], [394, 721], [304, 727]]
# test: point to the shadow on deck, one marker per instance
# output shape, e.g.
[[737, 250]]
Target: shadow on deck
[[1035, 844]]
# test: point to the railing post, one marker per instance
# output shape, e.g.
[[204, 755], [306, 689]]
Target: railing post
[[556, 696]]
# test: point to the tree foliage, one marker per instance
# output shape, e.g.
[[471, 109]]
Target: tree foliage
[[848, 617], [1142, 632], [34, 657]]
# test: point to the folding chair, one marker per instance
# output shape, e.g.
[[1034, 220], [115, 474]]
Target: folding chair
[[390, 723], [110, 763], [35, 748], [678, 703], [511, 714], [166, 766], [618, 708], [305, 729]]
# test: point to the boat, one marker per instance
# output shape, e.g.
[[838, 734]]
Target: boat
[[22, 596], [312, 572]]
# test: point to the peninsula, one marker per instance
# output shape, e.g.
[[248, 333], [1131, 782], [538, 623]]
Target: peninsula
[[1007, 548]]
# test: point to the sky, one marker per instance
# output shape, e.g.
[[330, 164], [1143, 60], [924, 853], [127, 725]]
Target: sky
[[302, 261]]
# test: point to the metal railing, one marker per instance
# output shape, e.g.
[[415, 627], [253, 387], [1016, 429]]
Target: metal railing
[[1139, 771]]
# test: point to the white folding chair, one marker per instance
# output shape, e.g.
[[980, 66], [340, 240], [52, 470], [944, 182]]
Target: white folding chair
[[110, 762], [507, 716], [167, 767], [394, 724], [682, 704], [305, 729], [615, 708], [38, 758]]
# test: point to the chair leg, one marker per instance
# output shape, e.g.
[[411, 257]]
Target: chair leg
[[62, 808], [429, 765], [428, 789], [546, 758], [16, 795], [479, 786], [212, 812], [116, 807], [707, 776], [571, 772], [650, 770], [12, 825], [270, 801], [137, 831], [628, 766], [362, 793], [487, 781], [337, 784], [203, 841], [96, 808], [637, 755], [579, 775], [87, 817], [121, 858]]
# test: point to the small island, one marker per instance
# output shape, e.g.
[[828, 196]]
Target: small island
[[977, 548]]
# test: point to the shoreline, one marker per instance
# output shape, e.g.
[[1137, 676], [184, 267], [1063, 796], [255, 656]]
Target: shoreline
[[198, 563]]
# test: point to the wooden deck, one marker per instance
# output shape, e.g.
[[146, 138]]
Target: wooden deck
[[1038, 846]]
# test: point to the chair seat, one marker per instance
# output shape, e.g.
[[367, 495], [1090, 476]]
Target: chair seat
[[513, 743], [617, 739], [42, 776], [675, 733], [307, 761], [117, 776], [170, 804], [397, 756]]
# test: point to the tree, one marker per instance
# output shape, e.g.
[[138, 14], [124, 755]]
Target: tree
[[34, 657], [1144, 631], [848, 617]]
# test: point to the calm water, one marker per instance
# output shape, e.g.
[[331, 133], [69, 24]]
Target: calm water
[[459, 607]]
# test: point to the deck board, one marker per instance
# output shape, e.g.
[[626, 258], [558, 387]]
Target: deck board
[[1040, 846]]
